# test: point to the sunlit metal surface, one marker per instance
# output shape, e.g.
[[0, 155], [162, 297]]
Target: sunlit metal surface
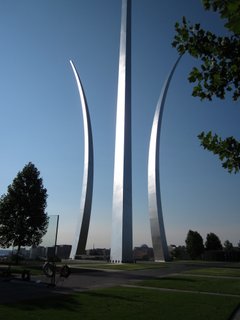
[[154, 194], [80, 238], [121, 246]]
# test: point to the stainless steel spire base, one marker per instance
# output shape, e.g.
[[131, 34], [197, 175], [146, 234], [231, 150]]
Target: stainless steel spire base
[[121, 246]]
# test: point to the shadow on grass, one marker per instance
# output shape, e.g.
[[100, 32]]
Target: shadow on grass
[[57, 301], [113, 296], [85, 270], [67, 302]]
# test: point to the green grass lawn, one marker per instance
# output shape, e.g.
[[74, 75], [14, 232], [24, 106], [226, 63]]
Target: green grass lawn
[[139, 303], [124, 266], [227, 272], [19, 269], [123, 303], [203, 284]]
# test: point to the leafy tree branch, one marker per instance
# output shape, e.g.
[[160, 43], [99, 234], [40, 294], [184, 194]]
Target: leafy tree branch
[[228, 150], [219, 70]]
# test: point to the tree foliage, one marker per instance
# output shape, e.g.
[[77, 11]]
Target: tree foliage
[[228, 150], [219, 55], [23, 220], [219, 71], [213, 242], [194, 244], [228, 10], [228, 246]]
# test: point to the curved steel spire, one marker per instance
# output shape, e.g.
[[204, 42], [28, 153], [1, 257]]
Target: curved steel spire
[[80, 239], [154, 194]]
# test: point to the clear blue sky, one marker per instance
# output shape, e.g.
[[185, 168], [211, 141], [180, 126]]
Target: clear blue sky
[[41, 120]]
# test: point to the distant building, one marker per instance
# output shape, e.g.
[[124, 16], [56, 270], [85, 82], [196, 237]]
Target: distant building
[[60, 251], [98, 254], [24, 253], [63, 251], [37, 252], [4, 254], [143, 253], [50, 252]]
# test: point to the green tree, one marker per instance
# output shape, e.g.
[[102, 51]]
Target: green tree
[[194, 244], [228, 246], [228, 150], [213, 242], [179, 252], [23, 220], [218, 73]]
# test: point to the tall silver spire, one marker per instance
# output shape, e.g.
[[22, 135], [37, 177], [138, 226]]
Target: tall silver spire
[[159, 241], [121, 246], [80, 238]]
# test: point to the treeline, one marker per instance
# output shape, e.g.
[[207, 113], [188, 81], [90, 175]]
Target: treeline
[[212, 249]]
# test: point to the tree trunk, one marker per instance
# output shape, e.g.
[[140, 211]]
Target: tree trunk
[[17, 255]]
